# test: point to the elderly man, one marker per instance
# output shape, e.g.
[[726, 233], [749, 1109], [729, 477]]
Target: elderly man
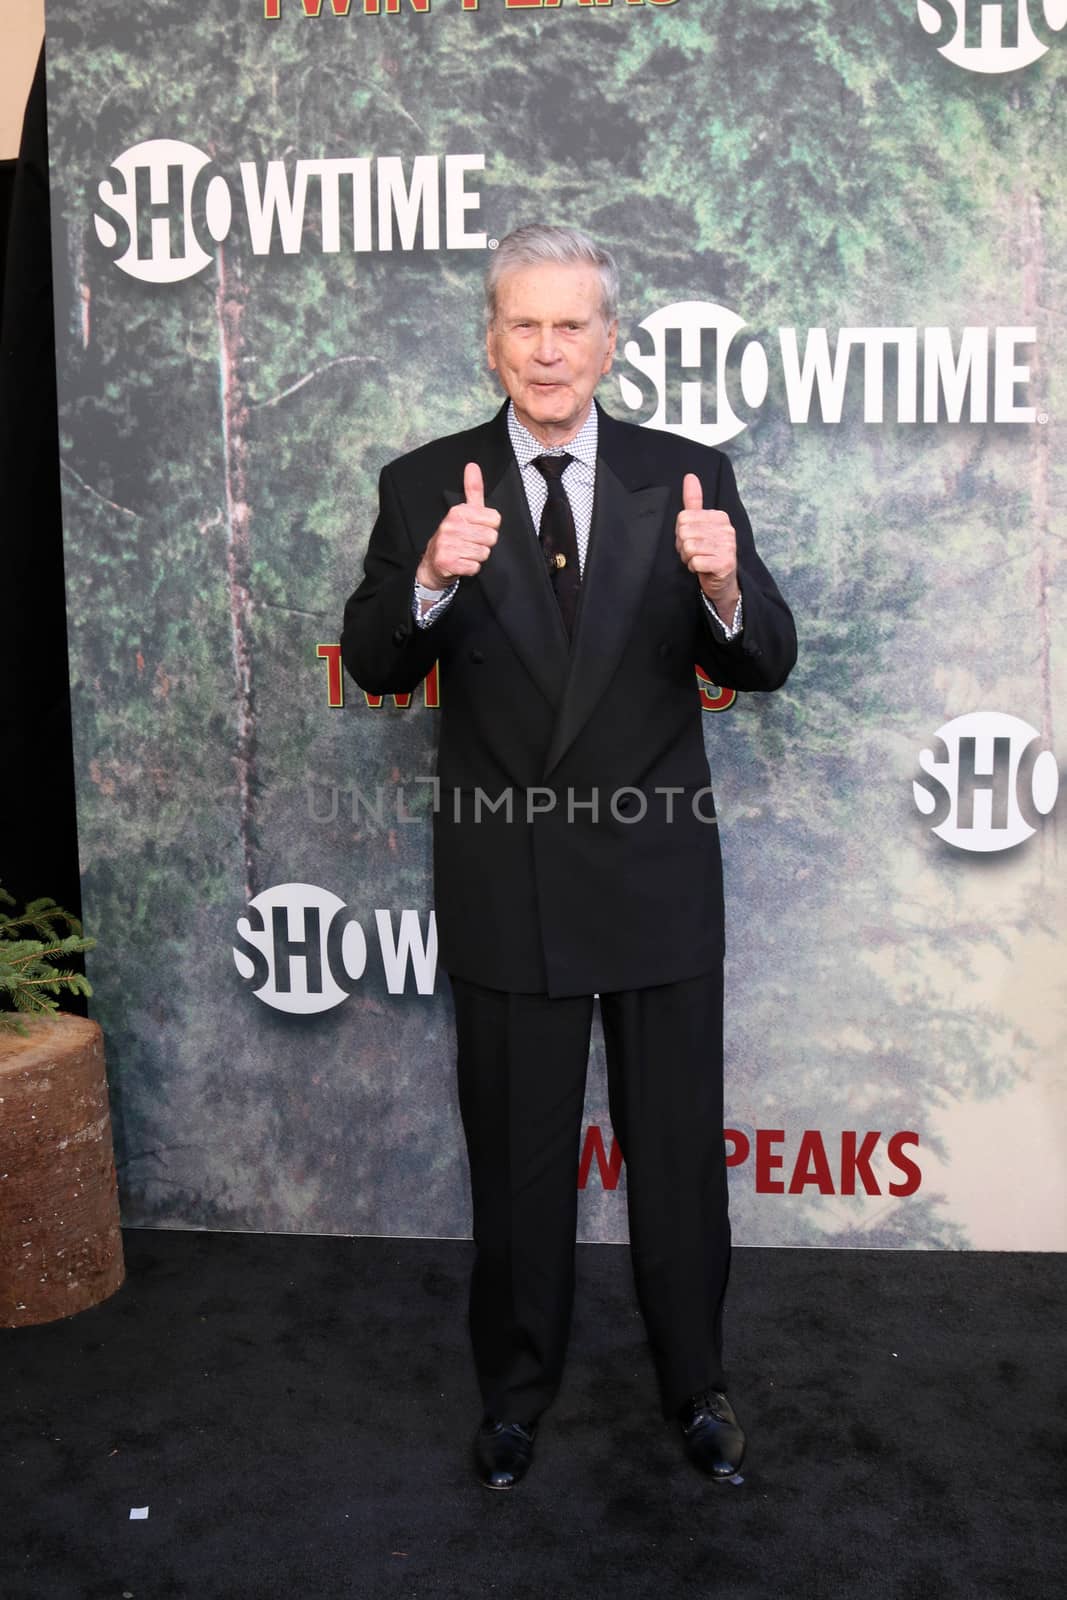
[[567, 571]]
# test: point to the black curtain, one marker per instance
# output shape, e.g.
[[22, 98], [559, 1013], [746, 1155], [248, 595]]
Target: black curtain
[[38, 840]]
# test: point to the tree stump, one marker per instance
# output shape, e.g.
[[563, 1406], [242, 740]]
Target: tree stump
[[60, 1245]]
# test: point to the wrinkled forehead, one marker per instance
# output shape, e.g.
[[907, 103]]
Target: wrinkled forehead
[[550, 290]]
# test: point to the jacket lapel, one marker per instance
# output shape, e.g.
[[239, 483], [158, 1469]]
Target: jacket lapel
[[514, 579], [623, 541], [628, 515]]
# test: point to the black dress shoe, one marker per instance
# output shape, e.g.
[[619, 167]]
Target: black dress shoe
[[503, 1451], [714, 1441]]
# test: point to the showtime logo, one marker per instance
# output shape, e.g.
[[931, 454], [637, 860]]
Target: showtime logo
[[993, 36], [687, 360], [301, 950], [987, 787], [164, 206]]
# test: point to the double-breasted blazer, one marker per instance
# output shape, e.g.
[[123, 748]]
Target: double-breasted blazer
[[575, 846]]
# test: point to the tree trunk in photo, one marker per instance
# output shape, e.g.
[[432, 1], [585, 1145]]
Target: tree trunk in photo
[[229, 307]]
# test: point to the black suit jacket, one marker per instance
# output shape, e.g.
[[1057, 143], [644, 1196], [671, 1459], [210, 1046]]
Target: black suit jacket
[[544, 893]]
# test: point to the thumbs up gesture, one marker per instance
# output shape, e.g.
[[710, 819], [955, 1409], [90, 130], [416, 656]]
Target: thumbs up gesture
[[463, 539], [707, 544]]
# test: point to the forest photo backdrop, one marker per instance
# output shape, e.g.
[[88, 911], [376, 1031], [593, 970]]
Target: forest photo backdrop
[[843, 258]]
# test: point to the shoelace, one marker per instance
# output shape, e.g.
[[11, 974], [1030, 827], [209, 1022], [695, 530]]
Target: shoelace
[[711, 1403]]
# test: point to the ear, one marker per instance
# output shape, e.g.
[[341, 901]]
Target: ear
[[490, 347]]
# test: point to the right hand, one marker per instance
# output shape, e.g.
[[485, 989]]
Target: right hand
[[464, 539]]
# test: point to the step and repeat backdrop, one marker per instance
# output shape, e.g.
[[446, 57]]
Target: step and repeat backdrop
[[842, 233]]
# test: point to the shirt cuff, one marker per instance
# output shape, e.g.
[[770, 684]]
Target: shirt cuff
[[440, 597], [731, 631]]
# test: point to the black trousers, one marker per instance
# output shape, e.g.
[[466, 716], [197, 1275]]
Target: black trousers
[[522, 1065]]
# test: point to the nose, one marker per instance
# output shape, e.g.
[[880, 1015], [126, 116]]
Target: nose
[[547, 350]]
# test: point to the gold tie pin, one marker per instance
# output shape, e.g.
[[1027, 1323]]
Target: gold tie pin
[[559, 562]]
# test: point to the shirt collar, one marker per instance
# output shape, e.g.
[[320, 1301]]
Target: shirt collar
[[582, 447]]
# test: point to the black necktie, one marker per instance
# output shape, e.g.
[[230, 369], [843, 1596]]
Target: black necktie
[[558, 538]]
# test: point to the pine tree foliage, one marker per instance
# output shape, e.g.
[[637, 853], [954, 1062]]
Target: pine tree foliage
[[30, 980]]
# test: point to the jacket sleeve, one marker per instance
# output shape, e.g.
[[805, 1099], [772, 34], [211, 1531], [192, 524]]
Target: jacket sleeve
[[764, 652], [381, 645]]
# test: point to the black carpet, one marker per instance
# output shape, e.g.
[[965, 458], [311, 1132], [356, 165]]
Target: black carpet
[[296, 1415]]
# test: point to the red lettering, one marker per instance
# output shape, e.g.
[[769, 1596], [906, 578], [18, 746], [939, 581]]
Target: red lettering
[[811, 1166], [335, 687], [738, 1147], [712, 698], [431, 688], [431, 691], [855, 1161], [401, 701], [767, 1161], [912, 1175], [272, 9], [609, 1166]]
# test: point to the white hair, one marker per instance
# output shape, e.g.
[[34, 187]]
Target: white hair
[[538, 242]]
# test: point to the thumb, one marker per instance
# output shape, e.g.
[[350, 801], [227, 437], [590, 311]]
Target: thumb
[[473, 487], [692, 493]]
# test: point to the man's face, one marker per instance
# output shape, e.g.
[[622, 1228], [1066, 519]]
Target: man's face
[[551, 346]]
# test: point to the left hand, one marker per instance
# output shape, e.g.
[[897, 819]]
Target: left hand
[[707, 544]]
